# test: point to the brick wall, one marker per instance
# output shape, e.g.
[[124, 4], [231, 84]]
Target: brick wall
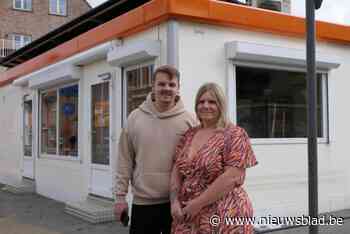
[[38, 21]]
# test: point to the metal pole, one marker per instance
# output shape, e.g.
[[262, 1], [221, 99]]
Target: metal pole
[[312, 113]]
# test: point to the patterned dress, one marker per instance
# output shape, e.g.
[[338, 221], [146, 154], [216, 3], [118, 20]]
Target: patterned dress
[[227, 147]]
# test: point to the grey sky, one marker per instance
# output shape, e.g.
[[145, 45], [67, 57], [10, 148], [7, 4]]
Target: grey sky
[[95, 2], [333, 11], [336, 11]]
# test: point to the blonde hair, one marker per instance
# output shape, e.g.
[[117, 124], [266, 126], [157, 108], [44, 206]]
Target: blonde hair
[[221, 102]]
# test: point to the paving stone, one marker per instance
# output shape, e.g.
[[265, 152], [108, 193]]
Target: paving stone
[[34, 214]]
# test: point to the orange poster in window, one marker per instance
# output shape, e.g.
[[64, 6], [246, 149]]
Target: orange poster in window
[[101, 114]]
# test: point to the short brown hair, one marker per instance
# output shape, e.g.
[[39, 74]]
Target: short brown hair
[[169, 70]]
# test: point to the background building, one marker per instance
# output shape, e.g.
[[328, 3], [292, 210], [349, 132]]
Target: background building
[[22, 21], [275, 5]]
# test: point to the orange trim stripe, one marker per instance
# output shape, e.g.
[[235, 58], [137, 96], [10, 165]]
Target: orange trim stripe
[[254, 19], [158, 11]]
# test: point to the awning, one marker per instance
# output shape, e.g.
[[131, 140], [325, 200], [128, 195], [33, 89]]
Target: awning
[[134, 53], [246, 52]]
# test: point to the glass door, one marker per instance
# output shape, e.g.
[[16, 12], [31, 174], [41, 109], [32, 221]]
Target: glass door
[[28, 163], [100, 132], [28, 128], [100, 116]]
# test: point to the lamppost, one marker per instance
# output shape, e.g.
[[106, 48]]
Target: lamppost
[[311, 5]]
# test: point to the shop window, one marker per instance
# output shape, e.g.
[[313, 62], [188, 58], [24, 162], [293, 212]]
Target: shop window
[[273, 103], [68, 117], [138, 85], [59, 121]]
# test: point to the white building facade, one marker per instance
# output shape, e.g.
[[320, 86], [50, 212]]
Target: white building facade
[[61, 122]]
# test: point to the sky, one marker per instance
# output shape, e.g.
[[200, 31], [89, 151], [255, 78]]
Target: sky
[[335, 11]]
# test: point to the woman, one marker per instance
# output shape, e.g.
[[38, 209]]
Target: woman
[[209, 171]]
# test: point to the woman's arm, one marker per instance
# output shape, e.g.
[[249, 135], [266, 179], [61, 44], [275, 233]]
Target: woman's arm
[[222, 185]]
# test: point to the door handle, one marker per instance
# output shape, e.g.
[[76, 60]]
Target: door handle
[[113, 138]]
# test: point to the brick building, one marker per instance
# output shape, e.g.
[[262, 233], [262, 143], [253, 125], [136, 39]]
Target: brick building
[[22, 21]]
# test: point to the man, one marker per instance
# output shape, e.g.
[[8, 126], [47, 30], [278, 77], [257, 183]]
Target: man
[[146, 149]]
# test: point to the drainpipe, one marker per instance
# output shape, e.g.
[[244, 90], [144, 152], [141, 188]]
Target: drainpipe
[[173, 43]]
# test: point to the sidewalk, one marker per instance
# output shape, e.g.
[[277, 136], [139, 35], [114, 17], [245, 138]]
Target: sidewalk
[[33, 214]]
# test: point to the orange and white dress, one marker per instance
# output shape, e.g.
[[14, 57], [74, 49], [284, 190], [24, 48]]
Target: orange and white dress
[[227, 147]]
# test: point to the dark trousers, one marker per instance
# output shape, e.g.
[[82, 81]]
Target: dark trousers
[[150, 219]]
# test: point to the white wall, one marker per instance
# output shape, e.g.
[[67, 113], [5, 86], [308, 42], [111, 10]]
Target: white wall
[[278, 185], [69, 180], [10, 133]]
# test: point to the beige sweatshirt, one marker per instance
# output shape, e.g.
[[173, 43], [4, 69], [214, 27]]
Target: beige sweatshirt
[[146, 150]]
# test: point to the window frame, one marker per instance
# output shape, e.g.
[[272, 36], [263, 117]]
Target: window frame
[[109, 81], [257, 5], [22, 36], [57, 155], [57, 11], [22, 5], [232, 100], [124, 86]]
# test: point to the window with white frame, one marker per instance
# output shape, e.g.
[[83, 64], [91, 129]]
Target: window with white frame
[[58, 7], [272, 103], [245, 2], [25, 5], [275, 5], [59, 121], [20, 40], [138, 84]]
